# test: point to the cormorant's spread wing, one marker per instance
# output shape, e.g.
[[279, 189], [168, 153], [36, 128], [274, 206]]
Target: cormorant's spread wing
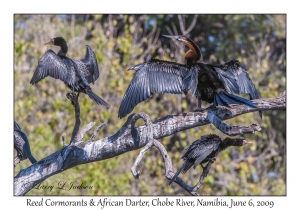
[[90, 66], [20, 138], [52, 65], [16, 126], [236, 79], [154, 76]]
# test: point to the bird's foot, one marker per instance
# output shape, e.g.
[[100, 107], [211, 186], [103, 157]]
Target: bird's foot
[[72, 96], [212, 160], [210, 107], [199, 110]]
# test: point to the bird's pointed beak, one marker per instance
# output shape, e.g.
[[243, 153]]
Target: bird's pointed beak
[[51, 42], [172, 37], [246, 142]]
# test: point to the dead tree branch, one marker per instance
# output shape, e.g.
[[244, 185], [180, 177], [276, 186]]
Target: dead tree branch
[[74, 99], [128, 138], [169, 173], [166, 158]]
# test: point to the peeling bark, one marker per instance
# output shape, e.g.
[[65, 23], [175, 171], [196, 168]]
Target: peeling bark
[[130, 138]]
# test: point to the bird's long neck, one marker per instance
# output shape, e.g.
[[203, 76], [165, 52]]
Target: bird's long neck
[[194, 53], [63, 50], [227, 142]]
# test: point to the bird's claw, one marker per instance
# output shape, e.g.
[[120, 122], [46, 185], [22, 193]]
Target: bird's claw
[[72, 96], [202, 165]]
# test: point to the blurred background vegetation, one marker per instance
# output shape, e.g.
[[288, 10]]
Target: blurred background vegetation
[[120, 41]]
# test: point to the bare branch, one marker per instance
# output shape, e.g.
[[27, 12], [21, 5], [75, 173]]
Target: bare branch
[[167, 160], [88, 127], [74, 99], [203, 175], [187, 31], [96, 131], [136, 174], [182, 24], [128, 138]]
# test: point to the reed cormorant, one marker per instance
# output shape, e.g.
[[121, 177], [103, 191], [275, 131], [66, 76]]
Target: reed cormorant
[[204, 149], [211, 83], [21, 144], [76, 74]]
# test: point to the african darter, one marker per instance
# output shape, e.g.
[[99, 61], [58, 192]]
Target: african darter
[[76, 74], [21, 144], [205, 149], [211, 83]]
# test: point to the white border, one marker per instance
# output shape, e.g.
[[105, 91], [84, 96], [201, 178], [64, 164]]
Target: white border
[[145, 7]]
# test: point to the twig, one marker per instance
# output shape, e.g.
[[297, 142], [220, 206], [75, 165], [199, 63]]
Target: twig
[[92, 138], [203, 175], [80, 135]]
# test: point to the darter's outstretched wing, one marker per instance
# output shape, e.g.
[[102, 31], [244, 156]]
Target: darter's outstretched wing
[[154, 76]]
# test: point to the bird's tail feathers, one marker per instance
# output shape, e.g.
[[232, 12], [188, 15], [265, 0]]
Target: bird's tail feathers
[[182, 169], [96, 98], [32, 159], [224, 99]]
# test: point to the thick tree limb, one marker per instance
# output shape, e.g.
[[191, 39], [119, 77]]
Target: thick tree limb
[[126, 139]]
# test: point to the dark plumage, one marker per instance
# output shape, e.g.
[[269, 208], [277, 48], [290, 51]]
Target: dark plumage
[[76, 74], [21, 144], [211, 83], [204, 149]]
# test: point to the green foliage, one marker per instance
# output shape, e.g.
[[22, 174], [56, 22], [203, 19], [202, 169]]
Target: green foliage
[[120, 41]]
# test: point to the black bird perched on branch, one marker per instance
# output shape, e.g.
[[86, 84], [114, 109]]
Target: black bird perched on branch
[[21, 144], [211, 83], [76, 74], [205, 149]]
